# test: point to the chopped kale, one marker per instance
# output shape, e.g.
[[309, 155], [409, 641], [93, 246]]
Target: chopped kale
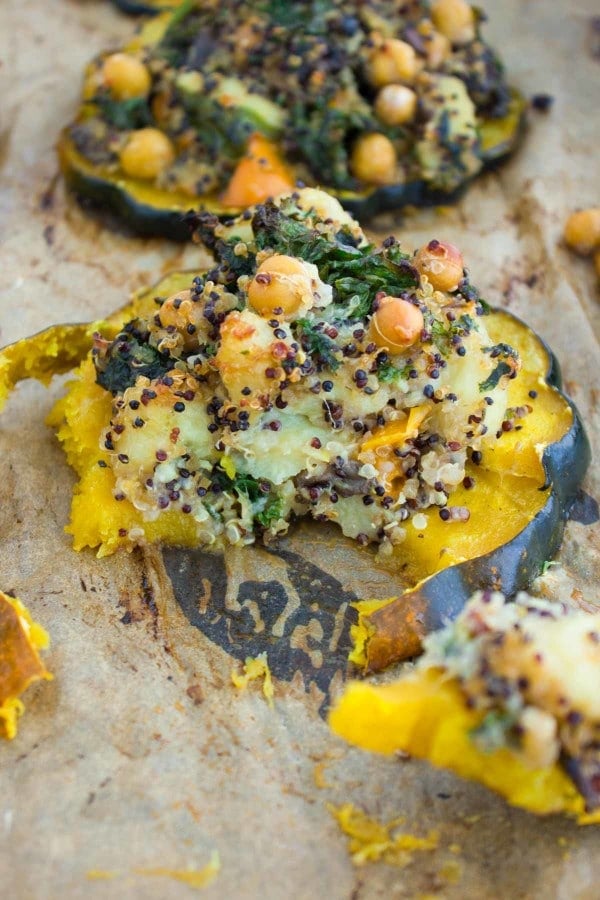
[[270, 513], [266, 506], [184, 26], [223, 130], [246, 484], [496, 730], [309, 17], [282, 230], [126, 359], [319, 346], [442, 334], [357, 282], [124, 114], [232, 264], [322, 132], [494, 377], [464, 325], [503, 352], [387, 372]]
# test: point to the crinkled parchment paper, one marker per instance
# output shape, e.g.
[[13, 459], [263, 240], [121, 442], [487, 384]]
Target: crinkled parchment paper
[[140, 759]]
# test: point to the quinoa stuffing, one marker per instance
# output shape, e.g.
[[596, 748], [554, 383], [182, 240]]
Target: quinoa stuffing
[[308, 373]]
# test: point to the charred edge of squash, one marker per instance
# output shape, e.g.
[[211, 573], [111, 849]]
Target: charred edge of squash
[[394, 630]]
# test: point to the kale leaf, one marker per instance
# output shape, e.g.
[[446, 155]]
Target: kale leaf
[[505, 351], [266, 506], [284, 231], [271, 512], [124, 114], [494, 377], [126, 359], [320, 347], [387, 372]]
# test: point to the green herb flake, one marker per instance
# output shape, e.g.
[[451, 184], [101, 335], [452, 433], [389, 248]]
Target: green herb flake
[[126, 115], [320, 347]]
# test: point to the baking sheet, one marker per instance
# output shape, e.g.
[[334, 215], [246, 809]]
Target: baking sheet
[[140, 759]]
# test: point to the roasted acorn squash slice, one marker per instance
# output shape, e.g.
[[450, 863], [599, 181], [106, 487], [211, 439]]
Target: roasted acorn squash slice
[[470, 121], [519, 504], [242, 421]]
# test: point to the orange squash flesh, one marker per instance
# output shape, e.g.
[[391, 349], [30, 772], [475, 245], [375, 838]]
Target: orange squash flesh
[[260, 174]]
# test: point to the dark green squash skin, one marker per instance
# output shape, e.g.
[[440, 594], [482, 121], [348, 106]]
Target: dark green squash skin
[[509, 568], [133, 8]]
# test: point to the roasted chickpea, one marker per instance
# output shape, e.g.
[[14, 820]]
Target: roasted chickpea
[[442, 263], [374, 159], [396, 324], [147, 153], [396, 104], [126, 76], [455, 19], [582, 230], [281, 283], [391, 62]]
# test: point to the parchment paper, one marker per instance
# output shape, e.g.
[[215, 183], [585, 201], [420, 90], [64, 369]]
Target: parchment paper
[[141, 755]]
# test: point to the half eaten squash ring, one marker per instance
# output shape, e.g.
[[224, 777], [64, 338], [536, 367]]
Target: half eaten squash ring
[[495, 527]]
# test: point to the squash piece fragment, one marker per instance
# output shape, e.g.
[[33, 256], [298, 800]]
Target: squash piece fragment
[[505, 695], [20, 665], [51, 352], [425, 715]]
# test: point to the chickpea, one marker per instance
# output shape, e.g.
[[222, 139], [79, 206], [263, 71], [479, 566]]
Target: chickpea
[[396, 104], [455, 19], [396, 324], [582, 230], [126, 76], [393, 61], [281, 283], [147, 153], [442, 263], [374, 159]]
